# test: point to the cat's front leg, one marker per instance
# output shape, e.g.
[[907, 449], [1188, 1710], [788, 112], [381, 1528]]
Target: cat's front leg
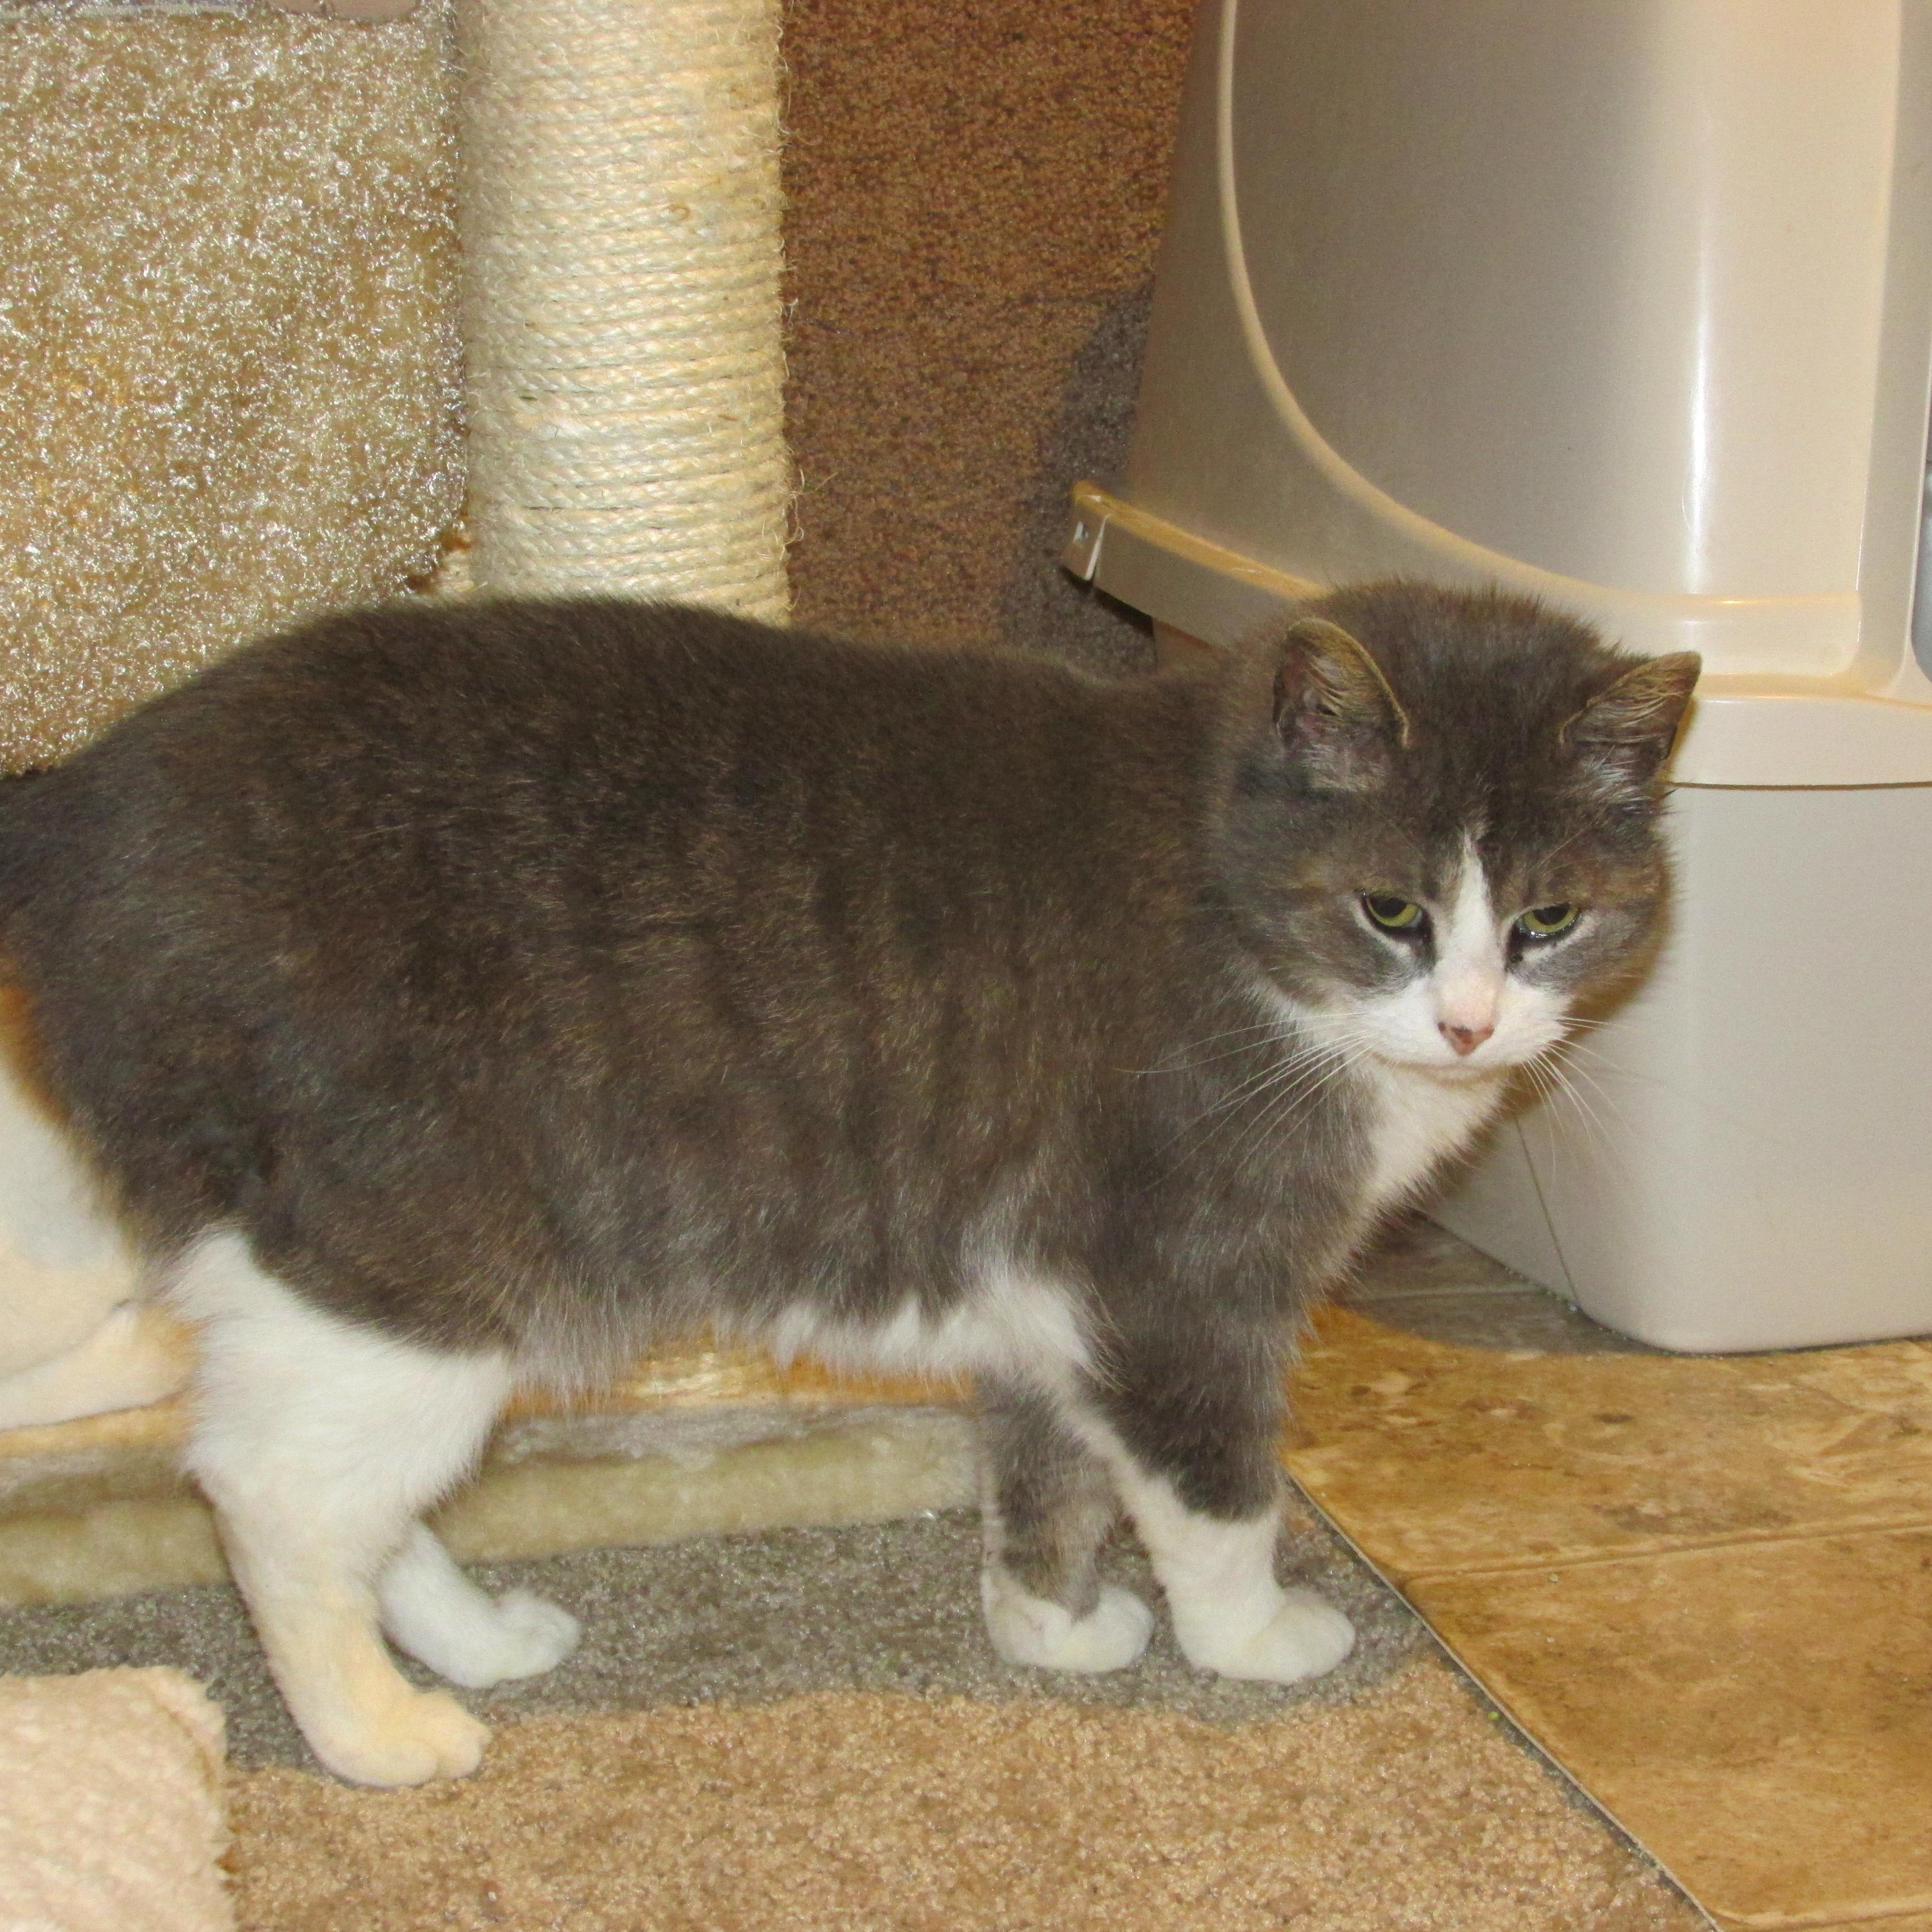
[[1230, 1614], [1189, 1436], [1048, 1505]]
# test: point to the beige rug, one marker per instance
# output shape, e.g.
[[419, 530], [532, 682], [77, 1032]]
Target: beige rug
[[1410, 1808]]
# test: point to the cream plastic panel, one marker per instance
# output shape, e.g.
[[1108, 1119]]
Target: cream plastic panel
[[1742, 1163], [1628, 306], [1584, 300]]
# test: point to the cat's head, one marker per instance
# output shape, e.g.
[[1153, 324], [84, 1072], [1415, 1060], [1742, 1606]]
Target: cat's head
[[1442, 820]]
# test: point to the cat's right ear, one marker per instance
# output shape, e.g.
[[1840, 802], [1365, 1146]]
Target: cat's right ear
[[1333, 710]]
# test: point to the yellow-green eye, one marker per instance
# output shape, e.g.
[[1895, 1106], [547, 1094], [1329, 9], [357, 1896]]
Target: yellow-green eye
[[1392, 914], [1546, 922]]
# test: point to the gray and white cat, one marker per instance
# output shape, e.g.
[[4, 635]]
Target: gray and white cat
[[460, 998]]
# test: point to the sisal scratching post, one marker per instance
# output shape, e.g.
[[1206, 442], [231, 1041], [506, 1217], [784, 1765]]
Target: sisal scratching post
[[619, 216]]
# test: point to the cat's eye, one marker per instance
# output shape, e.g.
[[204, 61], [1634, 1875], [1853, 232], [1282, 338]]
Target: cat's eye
[[1393, 914], [1546, 922]]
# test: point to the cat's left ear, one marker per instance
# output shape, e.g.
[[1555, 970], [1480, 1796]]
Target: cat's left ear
[[1333, 708], [1626, 731]]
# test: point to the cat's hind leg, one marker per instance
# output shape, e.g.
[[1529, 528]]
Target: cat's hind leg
[[432, 1610], [1048, 1506], [319, 1443]]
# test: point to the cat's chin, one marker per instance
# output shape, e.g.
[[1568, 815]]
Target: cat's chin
[[1454, 1072]]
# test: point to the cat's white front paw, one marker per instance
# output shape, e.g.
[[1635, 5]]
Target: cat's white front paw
[[1305, 1636], [414, 1736], [1027, 1629]]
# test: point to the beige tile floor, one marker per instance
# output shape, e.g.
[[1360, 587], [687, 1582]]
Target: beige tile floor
[[1703, 1585]]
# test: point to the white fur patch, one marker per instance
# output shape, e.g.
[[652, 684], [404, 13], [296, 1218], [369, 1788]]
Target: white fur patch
[[1027, 1629], [320, 1444], [65, 1264], [433, 1611], [1420, 1120], [281, 1379], [1022, 1326], [1468, 983]]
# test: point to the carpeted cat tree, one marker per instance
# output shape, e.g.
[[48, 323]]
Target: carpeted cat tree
[[298, 313]]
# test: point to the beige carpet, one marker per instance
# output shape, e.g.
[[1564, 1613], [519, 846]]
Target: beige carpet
[[1408, 1808], [230, 385], [807, 1726]]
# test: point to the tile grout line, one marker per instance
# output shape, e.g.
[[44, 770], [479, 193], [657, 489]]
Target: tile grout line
[[1829, 1920], [1742, 1539]]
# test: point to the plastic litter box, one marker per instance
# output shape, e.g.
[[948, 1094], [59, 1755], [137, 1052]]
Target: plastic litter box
[[1628, 304]]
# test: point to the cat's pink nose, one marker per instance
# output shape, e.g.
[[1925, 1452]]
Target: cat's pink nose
[[1465, 1039]]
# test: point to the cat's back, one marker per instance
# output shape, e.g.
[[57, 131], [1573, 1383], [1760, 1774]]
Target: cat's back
[[581, 690], [518, 758], [418, 704]]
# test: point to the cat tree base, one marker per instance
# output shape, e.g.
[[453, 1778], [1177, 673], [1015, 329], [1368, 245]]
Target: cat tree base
[[698, 1441]]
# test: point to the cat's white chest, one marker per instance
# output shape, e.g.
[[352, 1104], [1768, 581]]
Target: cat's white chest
[[1418, 1121]]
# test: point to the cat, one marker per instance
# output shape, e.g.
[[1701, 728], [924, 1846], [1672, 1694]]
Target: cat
[[457, 998]]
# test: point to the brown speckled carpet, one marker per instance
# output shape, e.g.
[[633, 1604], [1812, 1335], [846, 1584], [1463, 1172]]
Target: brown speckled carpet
[[862, 1811], [973, 199], [807, 1729]]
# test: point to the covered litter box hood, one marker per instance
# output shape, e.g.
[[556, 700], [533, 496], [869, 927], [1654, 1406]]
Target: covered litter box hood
[[1627, 303], [1629, 306]]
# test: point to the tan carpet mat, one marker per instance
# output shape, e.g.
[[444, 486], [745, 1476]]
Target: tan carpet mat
[[1408, 1808]]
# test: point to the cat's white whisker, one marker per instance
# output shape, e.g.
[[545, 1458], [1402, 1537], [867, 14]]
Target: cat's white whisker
[[1557, 1083], [1340, 1057], [1251, 1037], [1297, 1057], [1303, 1058], [1589, 1049], [1285, 1107]]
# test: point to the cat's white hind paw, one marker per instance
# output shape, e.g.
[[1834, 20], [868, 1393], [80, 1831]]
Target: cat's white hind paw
[[415, 1736], [518, 1635], [433, 1611], [1305, 1636], [1027, 1629], [528, 1635]]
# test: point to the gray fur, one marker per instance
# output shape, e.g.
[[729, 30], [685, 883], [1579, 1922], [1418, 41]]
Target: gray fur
[[551, 976]]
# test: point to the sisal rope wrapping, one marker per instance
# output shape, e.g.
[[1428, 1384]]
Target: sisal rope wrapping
[[619, 218]]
